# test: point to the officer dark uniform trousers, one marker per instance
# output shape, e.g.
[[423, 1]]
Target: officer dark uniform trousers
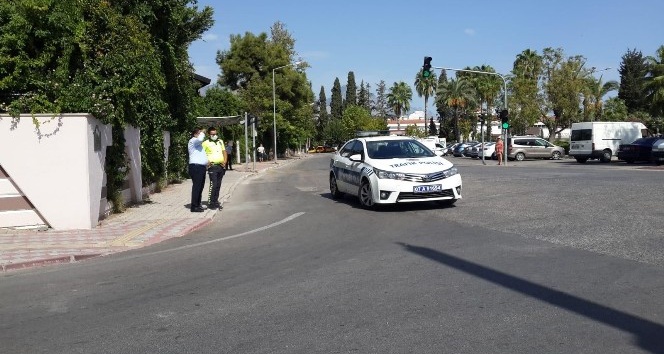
[[215, 149]]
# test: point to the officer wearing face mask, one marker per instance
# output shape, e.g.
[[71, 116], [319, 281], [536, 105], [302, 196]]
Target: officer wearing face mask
[[217, 157], [198, 162]]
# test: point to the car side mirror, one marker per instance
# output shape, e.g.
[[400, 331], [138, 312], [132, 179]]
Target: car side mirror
[[355, 158]]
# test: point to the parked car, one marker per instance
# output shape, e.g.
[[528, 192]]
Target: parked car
[[531, 147], [473, 151], [645, 149], [392, 169], [449, 150], [489, 151], [321, 149], [460, 150]]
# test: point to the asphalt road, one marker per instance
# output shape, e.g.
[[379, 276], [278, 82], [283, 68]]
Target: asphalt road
[[542, 256]]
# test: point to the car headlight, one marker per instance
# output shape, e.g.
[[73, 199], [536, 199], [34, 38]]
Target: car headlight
[[389, 174], [450, 172]]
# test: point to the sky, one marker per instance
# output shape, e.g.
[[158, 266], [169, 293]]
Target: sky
[[387, 40]]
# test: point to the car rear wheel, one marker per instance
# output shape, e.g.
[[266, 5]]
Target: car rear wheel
[[556, 155], [520, 156], [366, 195], [606, 156], [334, 190]]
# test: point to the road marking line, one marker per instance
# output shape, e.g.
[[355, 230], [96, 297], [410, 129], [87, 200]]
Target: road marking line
[[292, 217]]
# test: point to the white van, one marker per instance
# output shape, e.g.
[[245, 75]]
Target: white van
[[433, 145], [600, 140], [435, 139]]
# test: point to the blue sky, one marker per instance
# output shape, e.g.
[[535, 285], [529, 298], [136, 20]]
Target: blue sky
[[387, 40]]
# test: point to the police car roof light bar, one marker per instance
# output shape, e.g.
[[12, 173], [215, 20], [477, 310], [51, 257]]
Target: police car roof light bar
[[368, 133]]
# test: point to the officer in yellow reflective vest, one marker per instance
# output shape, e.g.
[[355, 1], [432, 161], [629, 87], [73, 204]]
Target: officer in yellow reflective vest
[[216, 153]]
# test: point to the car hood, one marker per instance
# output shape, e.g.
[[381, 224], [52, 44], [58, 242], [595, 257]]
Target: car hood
[[415, 165]]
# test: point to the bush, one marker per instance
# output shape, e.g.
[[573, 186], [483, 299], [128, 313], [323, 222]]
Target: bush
[[564, 144]]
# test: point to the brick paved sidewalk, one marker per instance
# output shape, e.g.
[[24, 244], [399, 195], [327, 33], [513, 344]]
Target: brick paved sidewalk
[[164, 216]]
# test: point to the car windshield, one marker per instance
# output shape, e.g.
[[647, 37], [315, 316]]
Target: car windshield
[[397, 149]]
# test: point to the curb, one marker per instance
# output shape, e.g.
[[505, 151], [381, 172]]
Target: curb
[[43, 262]]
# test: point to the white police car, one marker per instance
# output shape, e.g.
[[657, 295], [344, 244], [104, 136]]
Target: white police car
[[392, 169]]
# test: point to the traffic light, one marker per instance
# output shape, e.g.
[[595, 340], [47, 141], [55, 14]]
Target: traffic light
[[504, 118], [426, 68]]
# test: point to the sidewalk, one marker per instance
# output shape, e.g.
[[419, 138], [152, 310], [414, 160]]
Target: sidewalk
[[165, 215]]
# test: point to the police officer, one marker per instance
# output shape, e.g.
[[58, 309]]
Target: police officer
[[217, 157], [198, 161]]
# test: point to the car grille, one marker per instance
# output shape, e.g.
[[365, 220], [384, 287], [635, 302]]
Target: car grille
[[439, 194], [431, 177]]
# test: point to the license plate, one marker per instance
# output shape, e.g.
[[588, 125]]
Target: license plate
[[428, 188]]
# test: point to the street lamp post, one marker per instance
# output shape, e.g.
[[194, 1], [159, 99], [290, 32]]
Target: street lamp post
[[274, 108]]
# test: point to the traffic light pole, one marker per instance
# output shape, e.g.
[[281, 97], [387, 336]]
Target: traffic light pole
[[504, 97]]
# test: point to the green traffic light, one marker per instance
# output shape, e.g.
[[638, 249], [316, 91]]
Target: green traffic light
[[506, 125], [426, 73]]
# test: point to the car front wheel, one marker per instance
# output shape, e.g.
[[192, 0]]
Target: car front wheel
[[366, 195], [556, 155], [334, 190]]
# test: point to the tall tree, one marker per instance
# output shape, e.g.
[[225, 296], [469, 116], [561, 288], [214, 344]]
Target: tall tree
[[432, 128], [249, 67], [444, 112], [381, 108], [563, 85], [425, 86], [351, 91], [323, 117], [336, 101], [525, 102], [633, 70], [655, 83], [283, 39], [364, 96], [457, 94], [399, 99]]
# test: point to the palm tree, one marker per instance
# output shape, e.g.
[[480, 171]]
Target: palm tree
[[456, 94], [487, 86], [528, 64], [399, 99], [597, 90], [425, 86], [655, 83]]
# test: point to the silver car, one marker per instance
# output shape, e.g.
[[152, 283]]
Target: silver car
[[531, 147]]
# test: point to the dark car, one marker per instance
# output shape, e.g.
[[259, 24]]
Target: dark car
[[642, 150], [460, 150]]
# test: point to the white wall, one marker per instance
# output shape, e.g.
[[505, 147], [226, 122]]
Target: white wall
[[133, 150], [56, 165]]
